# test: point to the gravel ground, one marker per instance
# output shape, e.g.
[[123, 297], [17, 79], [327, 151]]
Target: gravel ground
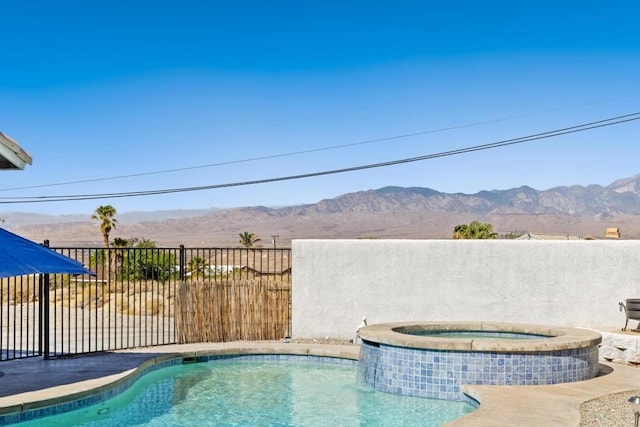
[[611, 410]]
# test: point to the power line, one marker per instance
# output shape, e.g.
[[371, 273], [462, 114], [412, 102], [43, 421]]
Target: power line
[[268, 157], [281, 155], [529, 138]]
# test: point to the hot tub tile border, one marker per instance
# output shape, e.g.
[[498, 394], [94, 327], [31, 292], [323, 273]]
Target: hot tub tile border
[[440, 374]]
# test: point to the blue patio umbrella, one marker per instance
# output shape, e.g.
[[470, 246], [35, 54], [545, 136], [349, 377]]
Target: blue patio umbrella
[[19, 256]]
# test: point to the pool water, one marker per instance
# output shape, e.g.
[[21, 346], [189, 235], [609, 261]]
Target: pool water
[[476, 334], [233, 392]]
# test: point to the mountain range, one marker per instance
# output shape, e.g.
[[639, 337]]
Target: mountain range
[[389, 212]]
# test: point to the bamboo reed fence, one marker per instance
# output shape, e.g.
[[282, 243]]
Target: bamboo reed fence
[[235, 310]]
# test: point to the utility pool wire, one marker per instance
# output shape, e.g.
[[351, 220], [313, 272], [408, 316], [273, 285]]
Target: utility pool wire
[[294, 153], [520, 140]]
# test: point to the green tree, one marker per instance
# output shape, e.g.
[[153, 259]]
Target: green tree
[[106, 214], [146, 261], [474, 230], [143, 242], [248, 239], [98, 259], [196, 266]]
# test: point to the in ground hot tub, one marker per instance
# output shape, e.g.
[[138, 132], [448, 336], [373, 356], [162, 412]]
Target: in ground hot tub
[[435, 359]]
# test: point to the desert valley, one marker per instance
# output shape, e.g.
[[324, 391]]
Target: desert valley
[[386, 213]]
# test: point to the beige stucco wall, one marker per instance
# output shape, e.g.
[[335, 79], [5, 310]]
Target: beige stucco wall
[[562, 283]]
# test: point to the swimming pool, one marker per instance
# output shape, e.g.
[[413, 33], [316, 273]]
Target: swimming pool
[[258, 390]]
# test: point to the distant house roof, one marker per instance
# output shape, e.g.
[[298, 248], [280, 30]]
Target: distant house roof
[[612, 233], [11, 155], [531, 236], [265, 273]]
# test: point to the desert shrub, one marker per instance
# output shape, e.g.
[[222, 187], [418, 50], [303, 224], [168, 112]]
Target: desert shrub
[[147, 262]]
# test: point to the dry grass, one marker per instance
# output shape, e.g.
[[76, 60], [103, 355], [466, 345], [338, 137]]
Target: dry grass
[[145, 303], [19, 290], [146, 298]]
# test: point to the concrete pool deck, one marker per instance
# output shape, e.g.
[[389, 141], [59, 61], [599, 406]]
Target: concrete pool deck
[[33, 383]]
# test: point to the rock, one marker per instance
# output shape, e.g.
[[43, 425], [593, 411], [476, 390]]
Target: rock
[[610, 353]]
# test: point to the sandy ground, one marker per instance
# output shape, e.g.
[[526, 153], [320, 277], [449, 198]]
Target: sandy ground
[[84, 330]]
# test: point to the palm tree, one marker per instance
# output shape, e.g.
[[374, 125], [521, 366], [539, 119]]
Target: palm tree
[[474, 230], [105, 214], [481, 230], [460, 231], [119, 244], [248, 239]]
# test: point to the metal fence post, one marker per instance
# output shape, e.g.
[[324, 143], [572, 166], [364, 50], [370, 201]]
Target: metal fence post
[[45, 316], [40, 313], [183, 261], [44, 303]]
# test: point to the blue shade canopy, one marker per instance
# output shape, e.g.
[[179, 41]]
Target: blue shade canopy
[[19, 256]]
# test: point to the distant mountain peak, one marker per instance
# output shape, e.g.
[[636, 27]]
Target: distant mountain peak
[[626, 185], [388, 212]]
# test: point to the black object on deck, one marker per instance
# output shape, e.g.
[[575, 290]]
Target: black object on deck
[[631, 310]]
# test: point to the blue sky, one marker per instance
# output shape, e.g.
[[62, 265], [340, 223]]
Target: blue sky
[[99, 91]]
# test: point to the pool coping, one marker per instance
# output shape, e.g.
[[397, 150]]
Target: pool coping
[[557, 404], [555, 338]]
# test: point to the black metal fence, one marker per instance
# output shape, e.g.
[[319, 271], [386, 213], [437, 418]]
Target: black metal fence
[[20, 327], [130, 302]]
